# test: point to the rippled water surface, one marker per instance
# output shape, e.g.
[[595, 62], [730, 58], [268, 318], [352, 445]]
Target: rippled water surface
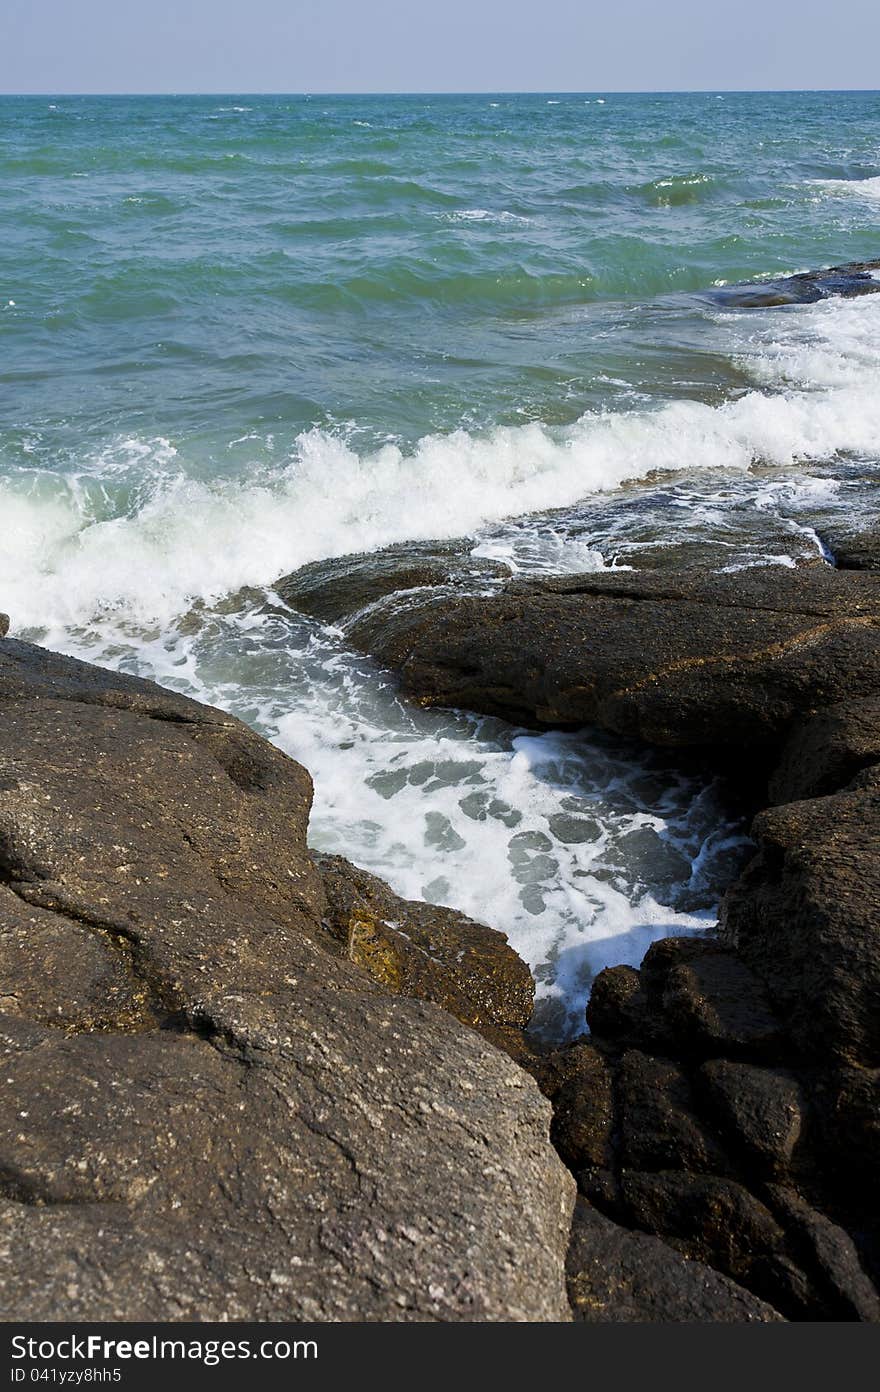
[[242, 334]]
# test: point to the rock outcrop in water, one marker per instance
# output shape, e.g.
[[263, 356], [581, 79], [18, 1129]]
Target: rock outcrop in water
[[210, 1111], [728, 1101], [849, 281], [683, 660]]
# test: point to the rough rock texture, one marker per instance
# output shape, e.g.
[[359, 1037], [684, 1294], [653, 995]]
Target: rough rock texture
[[728, 1101], [683, 660], [424, 950], [805, 917], [825, 751], [337, 589], [853, 550], [206, 1113], [628, 1277], [850, 280]]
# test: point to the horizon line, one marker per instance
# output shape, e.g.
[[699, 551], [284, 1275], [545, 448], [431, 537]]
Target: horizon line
[[455, 92]]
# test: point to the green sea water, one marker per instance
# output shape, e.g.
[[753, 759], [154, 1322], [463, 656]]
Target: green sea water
[[240, 334]]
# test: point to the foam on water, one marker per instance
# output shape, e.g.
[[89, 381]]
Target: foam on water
[[582, 852], [131, 533], [859, 188]]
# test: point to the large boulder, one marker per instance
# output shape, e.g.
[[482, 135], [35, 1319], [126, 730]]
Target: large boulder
[[805, 918], [208, 1114], [688, 659]]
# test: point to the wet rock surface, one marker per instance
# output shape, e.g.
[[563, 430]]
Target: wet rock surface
[[722, 1120], [207, 1114], [854, 550], [335, 590], [853, 279], [709, 1107], [683, 660]]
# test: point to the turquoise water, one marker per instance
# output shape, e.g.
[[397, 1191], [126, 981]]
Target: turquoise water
[[239, 334]]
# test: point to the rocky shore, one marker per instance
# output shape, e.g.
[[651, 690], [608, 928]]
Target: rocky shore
[[247, 1082]]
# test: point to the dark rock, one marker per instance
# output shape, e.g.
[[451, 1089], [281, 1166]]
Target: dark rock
[[622, 1277], [714, 661], [659, 1125], [719, 1222], [849, 1293], [619, 1010], [847, 1106], [848, 281], [854, 550], [825, 751], [338, 589], [805, 917], [4, 625], [424, 950], [31, 673], [247, 1126], [711, 1001], [759, 1109], [583, 1106], [692, 997]]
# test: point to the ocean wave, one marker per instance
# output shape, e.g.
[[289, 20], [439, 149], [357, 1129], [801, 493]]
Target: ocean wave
[[146, 554], [677, 190]]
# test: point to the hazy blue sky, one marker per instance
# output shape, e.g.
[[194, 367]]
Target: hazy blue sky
[[438, 45]]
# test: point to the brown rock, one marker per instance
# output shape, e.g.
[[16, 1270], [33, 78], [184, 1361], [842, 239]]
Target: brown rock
[[659, 1125], [805, 918], [826, 751], [854, 550], [687, 659], [719, 1222], [232, 1122], [337, 589], [583, 1107], [424, 950], [827, 1247]]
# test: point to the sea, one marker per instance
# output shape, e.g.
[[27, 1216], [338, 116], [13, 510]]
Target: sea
[[240, 334]]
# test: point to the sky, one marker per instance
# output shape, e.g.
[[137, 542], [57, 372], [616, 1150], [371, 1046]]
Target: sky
[[56, 46]]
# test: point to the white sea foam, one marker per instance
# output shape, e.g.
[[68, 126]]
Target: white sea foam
[[573, 849], [576, 852], [485, 215], [72, 553], [858, 188]]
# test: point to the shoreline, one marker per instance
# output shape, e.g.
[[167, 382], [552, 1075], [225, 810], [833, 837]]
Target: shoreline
[[701, 1118]]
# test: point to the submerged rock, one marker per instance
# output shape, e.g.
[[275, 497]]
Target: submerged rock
[[853, 279], [225, 1120]]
